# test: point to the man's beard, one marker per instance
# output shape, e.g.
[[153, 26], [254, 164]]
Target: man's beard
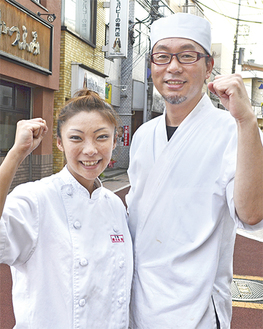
[[175, 99]]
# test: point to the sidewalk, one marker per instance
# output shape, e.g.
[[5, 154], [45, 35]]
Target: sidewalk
[[115, 179]]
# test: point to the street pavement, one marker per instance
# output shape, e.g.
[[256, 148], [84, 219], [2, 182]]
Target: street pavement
[[248, 270]]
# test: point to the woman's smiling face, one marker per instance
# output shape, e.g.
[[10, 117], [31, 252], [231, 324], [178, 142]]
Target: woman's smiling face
[[87, 139]]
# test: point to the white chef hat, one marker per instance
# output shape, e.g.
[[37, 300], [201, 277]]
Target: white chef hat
[[182, 25]]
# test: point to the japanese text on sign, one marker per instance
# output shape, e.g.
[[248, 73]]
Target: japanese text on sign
[[126, 136], [32, 47]]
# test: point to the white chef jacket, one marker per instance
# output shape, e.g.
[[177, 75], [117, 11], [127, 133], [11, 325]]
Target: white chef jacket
[[182, 220], [70, 255]]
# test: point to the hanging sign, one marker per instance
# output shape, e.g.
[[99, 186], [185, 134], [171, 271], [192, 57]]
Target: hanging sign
[[25, 38], [108, 92], [118, 28], [83, 78]]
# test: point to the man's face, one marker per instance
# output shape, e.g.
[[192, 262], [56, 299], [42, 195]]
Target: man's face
[[180, 83]]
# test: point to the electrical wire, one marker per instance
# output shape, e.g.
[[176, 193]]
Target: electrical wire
[[248, 6], [131, 66], [241, 20]]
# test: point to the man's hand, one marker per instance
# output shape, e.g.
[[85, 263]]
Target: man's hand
[[233, 95]]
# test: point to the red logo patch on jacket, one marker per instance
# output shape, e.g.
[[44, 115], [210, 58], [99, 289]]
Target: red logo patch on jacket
[[117, 238]]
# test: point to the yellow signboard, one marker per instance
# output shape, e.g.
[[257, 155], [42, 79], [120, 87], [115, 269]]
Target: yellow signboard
[[108, 91]]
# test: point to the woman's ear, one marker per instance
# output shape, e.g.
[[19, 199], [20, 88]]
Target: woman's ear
[[115, 140], [59, 144]]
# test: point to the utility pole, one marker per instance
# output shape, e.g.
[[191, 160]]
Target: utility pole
[[236, 38], [155, 11], [186, 6]]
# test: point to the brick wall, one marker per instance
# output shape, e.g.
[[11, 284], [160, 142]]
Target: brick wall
[[32, 168], [73, 49], [41, 166], [22, 174]]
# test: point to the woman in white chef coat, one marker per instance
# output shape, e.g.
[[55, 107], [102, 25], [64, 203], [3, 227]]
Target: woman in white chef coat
[[65, 236]]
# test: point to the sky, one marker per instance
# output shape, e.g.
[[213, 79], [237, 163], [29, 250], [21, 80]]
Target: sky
[[250, 35]]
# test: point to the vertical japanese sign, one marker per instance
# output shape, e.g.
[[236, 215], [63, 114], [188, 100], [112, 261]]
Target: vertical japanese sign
[[83, 18], [118, 28], [126, 136]]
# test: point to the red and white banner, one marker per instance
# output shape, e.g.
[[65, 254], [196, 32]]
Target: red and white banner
[[126, 136]]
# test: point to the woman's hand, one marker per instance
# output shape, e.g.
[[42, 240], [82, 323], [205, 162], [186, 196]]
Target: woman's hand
[[29, 135]]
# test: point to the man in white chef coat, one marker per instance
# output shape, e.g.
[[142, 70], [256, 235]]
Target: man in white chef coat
[[196, 175]]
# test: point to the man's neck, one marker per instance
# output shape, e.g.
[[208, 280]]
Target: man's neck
[[176, 113]]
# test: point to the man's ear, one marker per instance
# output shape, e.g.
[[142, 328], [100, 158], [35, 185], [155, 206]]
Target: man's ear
[[209, 68], [59, 144]]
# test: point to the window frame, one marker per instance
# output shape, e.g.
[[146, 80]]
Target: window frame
[[14, 110], [93, 27]]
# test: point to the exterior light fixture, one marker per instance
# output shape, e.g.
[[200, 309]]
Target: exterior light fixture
[[50, 17]]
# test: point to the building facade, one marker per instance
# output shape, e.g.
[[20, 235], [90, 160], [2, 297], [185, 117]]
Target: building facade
[[252, 75], [29, 76], [81, 56]]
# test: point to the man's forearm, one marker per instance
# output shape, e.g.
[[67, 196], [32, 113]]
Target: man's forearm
[[248, 190]]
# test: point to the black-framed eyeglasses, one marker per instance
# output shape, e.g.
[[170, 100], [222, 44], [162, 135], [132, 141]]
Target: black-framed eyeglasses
[[184, 57]]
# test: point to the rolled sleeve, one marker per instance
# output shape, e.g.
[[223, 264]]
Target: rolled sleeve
[[230, 202], [233, 213], [19, 227]]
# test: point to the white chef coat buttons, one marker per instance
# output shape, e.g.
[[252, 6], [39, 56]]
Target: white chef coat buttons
[[82, 302], [83, 262], [115, 229], [69, 190], [77, 225], [120, 301], [121, 263]]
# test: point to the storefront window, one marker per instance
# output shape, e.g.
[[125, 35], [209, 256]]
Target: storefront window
[[6, 96], [80, 16], [14, 106]]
